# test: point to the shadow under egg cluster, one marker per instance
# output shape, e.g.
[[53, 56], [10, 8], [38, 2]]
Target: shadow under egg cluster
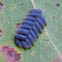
[[30, 28]]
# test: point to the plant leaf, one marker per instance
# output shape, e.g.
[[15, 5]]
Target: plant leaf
[[48, 47]]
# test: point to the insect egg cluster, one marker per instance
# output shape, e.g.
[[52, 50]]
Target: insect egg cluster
[[30, 28]]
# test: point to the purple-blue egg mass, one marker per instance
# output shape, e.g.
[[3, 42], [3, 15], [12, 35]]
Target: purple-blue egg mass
[[32, 25]]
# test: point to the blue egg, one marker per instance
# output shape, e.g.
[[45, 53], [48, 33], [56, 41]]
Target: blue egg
[[29, 43], [28, 22], [25, 26], [24, 44], [36, 24], [33, 14], [30, 18], [20, 36], [36, 10], [33, 34], [35, 31], [18, 42], [43, 19], [31, 39], [22, 31], [40, 22]]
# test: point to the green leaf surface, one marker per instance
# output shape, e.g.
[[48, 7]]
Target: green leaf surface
[[48, 47]]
